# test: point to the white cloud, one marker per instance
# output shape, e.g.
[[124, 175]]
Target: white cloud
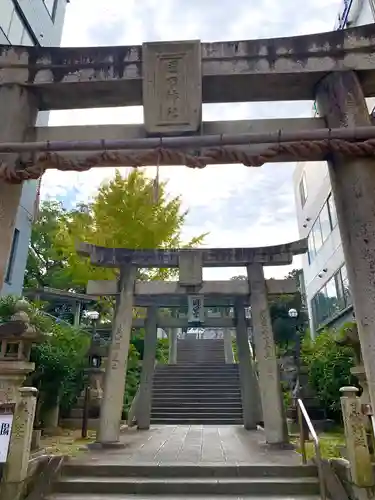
[[237, 205]]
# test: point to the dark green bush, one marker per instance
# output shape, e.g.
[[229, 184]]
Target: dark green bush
[[59, 360], [329, 369]]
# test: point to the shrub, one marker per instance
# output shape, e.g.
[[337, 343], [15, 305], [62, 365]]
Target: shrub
[[329, 369], [59, 360], [133, 377]]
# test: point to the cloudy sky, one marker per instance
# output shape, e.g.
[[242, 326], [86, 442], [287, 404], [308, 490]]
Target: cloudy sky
[[236, 205]]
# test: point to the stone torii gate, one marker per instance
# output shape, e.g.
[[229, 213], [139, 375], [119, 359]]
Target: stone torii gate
[[172, 80], [153, 295]]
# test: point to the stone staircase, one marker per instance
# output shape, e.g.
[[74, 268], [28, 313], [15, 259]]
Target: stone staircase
[[108, 482], [200, 389]]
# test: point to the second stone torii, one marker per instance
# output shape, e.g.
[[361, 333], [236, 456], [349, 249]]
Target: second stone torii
[[253, 292]]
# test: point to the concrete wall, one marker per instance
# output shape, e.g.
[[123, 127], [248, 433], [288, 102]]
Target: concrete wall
[[28, 22]]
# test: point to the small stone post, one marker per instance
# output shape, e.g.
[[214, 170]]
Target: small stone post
[[356, 438], [341, 102], [274, 418], [15, 471], [115, 374], [249, 383], [143, 412], [228, 349], [51, 417]]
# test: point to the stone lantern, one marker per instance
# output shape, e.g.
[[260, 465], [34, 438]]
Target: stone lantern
[[16, 339], [351, 339], [95, 371]]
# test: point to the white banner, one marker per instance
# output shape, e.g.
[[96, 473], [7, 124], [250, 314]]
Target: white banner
[[6, 421], [196, 309]]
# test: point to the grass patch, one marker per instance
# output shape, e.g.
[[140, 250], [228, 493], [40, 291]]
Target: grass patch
[[330, 444], [68, 443]]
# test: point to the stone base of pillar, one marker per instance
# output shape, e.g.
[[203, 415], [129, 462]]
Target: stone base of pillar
[[105, 446], [13, 491]]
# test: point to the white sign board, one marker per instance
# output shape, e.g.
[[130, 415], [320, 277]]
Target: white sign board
[[6, 421], [196, 309]]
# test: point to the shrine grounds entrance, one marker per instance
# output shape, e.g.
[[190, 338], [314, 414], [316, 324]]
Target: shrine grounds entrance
[[172, 80]]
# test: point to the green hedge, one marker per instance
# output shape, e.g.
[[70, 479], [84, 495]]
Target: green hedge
[[329, 369]]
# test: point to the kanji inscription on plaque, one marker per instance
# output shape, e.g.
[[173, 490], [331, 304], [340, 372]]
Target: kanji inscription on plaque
[[172, 87]]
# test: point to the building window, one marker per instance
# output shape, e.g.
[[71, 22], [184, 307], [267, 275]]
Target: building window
[[317, 232], [311, 247], [12, 256], [332, 298], [16, 29], [332, 211], [322, 227], [303, 189], [27, 39], [50, 6], [6, 9], [345, 287], [325, 222]]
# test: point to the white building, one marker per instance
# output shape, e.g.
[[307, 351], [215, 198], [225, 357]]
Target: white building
[[326, 283], [28, 22]]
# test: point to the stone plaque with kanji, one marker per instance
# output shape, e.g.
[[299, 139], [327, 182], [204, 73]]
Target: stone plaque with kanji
[[172, 87]]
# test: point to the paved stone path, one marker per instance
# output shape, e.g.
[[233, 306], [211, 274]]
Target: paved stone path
[[195, 444]]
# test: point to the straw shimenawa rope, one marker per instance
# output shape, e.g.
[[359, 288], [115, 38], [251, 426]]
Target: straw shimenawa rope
[[301, 150]]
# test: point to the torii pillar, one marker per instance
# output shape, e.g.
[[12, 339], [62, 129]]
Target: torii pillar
[[18, 113], [115, 373], [275, 426], [342, 103]]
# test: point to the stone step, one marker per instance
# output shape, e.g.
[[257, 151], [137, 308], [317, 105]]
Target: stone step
[[186, 388], [198, 413], [171, 486], [182, 403], [191, 405], [198, 368], [191, 402], [194, 377], [185, 384], [180, 393], [83, 496], [190, 399], [72, 469], [177, 390], [196, 357], [197, 421], [196, 373], [206, 353], [201, 383]]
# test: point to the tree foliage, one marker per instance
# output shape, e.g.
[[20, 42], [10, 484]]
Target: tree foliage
[[123, 213], [329, 368], [285, 329], [59, 360], [46, 264]]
